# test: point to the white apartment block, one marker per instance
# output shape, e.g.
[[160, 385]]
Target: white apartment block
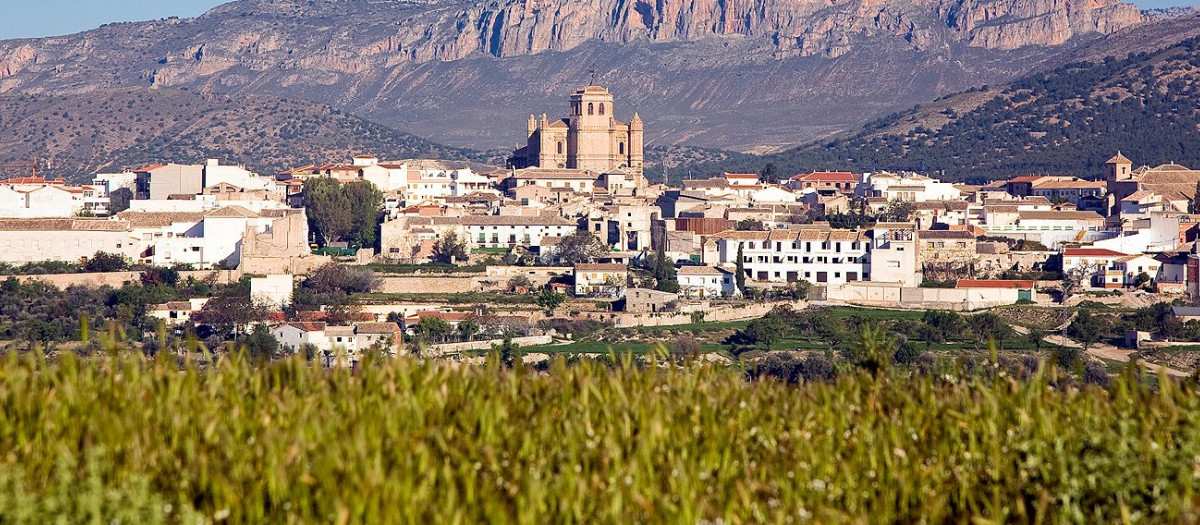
[[503, 231], [820, 255], [907, 187]]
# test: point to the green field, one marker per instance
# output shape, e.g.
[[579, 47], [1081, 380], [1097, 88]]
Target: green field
[[640, 340], [121, 439]]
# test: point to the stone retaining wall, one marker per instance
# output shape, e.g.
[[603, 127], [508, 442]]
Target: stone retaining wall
[[453, 348], [116, 279]]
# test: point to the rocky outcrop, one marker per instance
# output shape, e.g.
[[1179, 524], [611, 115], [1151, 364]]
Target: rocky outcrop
[[1010, 24]]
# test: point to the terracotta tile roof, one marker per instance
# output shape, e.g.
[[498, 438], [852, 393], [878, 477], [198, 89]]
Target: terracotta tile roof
[[63, 224], [995, 283], [339, 331], [826, 176], [516, 220], [1061, 216], [700, 270], [1091, 252], [945, 234], [741, 235], [309, 326], [1118, 159], [601, 267], [159, 219], [941, 205], [445, 316], [150, 168], [377, 328], [554, 173], [1071, 184], [741, 176], [232, 212], [1025, 178], [705, 183]]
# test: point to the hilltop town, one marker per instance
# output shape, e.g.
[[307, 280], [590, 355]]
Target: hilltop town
[[450, 256]]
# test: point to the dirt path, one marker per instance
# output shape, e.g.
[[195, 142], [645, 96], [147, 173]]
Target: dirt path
[[1101, 350], [1105, 351]]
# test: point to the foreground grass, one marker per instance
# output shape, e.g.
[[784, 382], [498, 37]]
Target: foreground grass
[[141, 442]]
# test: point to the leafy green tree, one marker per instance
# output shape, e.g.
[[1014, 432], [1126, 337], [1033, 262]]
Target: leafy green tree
[[520, 281], [578, 247], [450, 248], [366, 208], [765, 331], [665, 276], [106, 262], [1086, 328], [467, 329], [1037, 337], [740, 273], [509, 351], [906, 354], [160, 276], [260, 343], [897, 211], [330, 214], [432, 328], [232, 310], [769, 174], [549, 300]]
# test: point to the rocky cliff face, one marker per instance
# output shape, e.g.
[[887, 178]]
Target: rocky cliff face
[[441, 67]]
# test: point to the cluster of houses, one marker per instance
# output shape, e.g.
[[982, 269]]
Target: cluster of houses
[[583, 175]]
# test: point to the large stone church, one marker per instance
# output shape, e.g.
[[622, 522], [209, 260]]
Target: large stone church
[[589, 138]]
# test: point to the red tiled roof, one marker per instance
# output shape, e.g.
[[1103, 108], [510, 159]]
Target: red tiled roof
[[1025, 178], [151, 168], [1091, 252], [838, 176], [445, 316], [310, 326], [994, 283]]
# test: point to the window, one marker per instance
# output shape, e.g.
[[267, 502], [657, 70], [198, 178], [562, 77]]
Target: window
[[621, 148], [560, 147], [591, 109], [893, 264], [601, 108]]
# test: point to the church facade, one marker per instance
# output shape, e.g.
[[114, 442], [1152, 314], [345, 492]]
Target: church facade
[[589, 138]]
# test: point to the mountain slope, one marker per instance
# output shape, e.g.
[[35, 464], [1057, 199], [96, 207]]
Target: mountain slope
[[75, 136], [706, 72], [1065, 121]]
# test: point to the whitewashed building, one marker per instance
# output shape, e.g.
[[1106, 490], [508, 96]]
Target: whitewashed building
[[504, 231], [705, 282]]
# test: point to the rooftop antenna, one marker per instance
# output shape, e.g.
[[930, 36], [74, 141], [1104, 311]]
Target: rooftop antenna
[[592, 74], [35, 166]]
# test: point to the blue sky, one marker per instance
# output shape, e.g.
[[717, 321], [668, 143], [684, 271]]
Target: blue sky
[[35, 18], [32, 18]]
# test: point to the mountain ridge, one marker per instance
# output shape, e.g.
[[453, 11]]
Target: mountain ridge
[[703, 72], [1066, 120]]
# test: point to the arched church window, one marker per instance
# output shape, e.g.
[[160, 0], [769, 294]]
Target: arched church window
[[560, 147], [591, 109], [601, 108], [621, 148]]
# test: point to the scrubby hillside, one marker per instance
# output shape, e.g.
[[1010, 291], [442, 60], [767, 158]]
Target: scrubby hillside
[[1068, 120], [74, 136]]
